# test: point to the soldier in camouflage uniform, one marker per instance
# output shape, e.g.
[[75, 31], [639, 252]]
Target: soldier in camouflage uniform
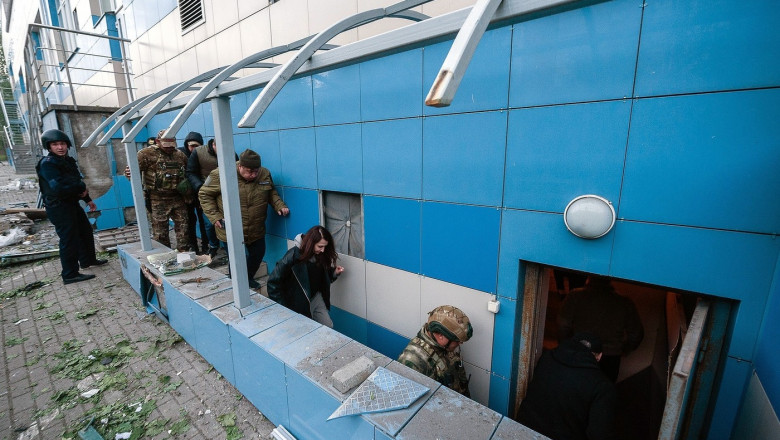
[[434, 351], [162, 169]]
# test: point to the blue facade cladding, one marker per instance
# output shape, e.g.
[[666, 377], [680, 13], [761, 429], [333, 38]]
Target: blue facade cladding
[[557, 153], [392, 158], [299, 157], [339, 158], [392, 232], [392, 93], [703, 46], [767, 355], [450, 233], [586, 54], [336, 99], [712, 143], [385, 341], [464, 165], [293, 105]]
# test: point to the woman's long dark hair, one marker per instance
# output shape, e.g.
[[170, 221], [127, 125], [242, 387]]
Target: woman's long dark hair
[[328, 258]]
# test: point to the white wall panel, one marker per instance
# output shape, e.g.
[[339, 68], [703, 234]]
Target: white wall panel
[[479, 384], [322, 15], [393, 299], [479, 349], [349, 291], [229, 43], [255, 33], [207, 55], [224, 14], [289, 21]]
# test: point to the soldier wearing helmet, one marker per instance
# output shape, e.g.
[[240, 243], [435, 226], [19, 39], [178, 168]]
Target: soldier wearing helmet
[[62, 187], [163, 170], [433, 352]]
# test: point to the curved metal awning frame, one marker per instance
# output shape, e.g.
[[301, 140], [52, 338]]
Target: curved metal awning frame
[[286, 72], [95, 133], [167, 99]]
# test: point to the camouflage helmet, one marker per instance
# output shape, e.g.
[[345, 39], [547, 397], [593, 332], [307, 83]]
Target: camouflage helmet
[[54, 135], [451, 322]]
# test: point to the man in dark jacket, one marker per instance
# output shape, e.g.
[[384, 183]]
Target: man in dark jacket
[[569, 397], [61, 189], [202, 161], [194, 211]]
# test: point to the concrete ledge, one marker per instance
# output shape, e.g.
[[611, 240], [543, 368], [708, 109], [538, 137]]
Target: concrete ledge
[[282, 362]]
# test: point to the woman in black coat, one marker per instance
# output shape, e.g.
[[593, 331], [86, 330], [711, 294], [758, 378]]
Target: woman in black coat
[[302, 278]]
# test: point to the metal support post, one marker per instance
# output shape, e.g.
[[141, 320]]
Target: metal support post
[[228, 178], [138, 192]]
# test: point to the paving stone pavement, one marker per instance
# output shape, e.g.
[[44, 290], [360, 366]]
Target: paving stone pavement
[[48, 334]]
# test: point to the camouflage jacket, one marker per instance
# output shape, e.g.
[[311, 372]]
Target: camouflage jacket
[[423, 354], [162, 172]]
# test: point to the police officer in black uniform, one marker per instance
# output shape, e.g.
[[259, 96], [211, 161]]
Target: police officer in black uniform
[[61, 188]]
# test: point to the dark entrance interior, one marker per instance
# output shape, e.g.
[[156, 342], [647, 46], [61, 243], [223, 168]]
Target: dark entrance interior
[[644, 372]]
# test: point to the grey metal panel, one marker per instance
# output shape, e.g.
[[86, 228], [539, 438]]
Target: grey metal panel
[[138, 193]]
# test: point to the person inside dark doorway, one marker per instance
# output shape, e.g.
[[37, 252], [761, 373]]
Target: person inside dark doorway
[[434, 351], [62, 187], [302, 277], [569, 397], [597, 308]]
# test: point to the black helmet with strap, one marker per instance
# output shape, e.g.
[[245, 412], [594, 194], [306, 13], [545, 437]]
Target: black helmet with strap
[[54, 135]]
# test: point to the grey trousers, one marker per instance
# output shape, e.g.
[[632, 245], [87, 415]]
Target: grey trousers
[[319, 312]]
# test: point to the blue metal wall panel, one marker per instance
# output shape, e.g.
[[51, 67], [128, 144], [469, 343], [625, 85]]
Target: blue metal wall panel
[[339, 158], [506, 323], [584, 54], [388, 343], [208, 121], [486, 81], [460, 244], [266, 144], [705, 160], [261, 378], [313, 406], [299, 157], [293, 105], [241, 143], [543, 238], [392, 232], [391, 86], [461, 164], [500, 395], [179, 312], [213, 341], [729, 397], [275, 248], [336, 95], [238, 106], [723, 263], [349, 325], [392, 158], [767, 355], [703, 46], [275, 224], [304, 211], [555, 154]]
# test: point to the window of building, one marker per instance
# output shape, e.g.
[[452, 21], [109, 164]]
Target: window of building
[[191, 13], [343, 217]]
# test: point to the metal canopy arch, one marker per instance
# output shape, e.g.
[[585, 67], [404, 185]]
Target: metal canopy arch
[[107, 121], [141, 103], [274, 86], [201, 95], [182, 86]]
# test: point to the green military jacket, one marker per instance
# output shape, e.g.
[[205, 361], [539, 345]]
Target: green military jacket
[[254, 198], [161, 173], [423, 354]]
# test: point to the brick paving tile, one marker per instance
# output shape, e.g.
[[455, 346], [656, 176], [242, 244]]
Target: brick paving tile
[[48, 330]]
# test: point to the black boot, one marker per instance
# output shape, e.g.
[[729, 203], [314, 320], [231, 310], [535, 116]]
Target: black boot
[[77, 278], [97, 262]]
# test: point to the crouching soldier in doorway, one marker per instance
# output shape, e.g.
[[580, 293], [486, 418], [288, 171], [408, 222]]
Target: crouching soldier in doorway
[[163, 170], [61, 189], [434, 351]]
